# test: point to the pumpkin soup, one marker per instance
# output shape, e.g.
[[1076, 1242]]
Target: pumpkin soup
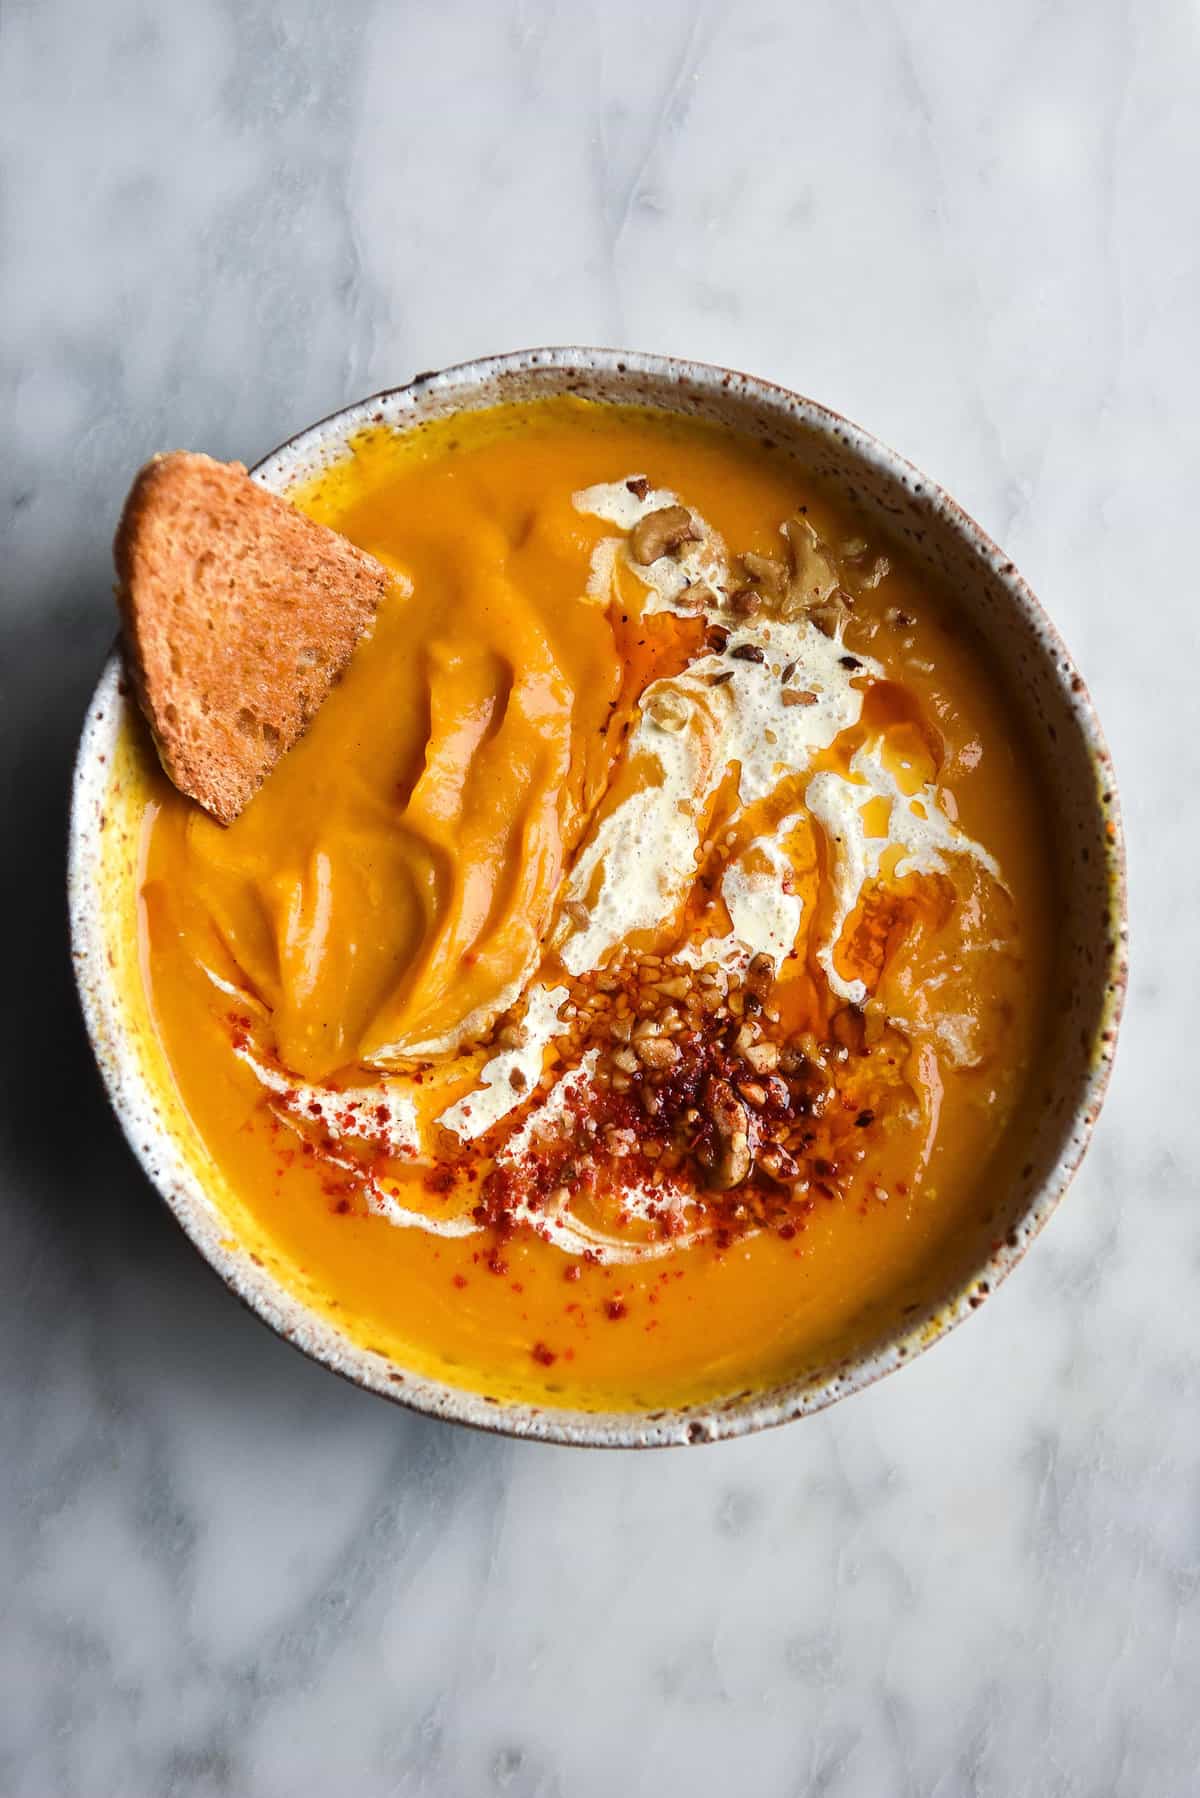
[[623, 988]]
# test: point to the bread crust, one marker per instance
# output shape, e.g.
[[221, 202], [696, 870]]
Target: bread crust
[[239, 616]]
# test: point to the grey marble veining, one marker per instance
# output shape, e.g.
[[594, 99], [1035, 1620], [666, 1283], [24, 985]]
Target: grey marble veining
[[973, 228]]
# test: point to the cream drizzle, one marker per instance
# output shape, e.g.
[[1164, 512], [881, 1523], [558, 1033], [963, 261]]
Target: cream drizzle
[[497, 1095], [926, 835]]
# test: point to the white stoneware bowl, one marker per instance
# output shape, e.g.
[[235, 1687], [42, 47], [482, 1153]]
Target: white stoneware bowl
[[1055, 714]]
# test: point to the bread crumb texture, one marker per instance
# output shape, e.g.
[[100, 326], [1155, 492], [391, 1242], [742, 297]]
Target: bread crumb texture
[[239, 614]]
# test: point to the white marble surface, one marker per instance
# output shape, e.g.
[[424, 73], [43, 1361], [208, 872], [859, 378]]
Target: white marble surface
[[972, 227]]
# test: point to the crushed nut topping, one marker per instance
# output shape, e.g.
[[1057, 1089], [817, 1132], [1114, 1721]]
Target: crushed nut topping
[[760, 975], [768, 572], [744, 602], [698, 1090], [828, 618], [804, 583], [661, 533], [813, 578], [879, 571], [731, 1159]]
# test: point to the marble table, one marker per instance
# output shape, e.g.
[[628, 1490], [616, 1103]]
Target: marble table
[[975, 229]]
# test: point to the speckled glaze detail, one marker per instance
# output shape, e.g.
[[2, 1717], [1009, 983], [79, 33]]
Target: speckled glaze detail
[[1063, 730]]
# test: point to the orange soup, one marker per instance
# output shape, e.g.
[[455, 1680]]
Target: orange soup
[[623, 990]]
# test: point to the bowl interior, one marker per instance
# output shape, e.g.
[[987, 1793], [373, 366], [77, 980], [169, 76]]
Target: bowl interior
[[1053, 712]]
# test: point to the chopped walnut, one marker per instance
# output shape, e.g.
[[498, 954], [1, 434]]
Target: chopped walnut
[[768, 572], [812, 580], [744, 602], [760, 975], [775, 1160], [828, 617], [880, 569], [661, 533], [731, 1127]]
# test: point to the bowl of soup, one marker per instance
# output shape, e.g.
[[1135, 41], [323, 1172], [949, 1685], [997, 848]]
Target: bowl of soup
[[677, 972]]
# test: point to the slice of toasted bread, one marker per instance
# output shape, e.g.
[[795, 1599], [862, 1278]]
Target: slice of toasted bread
[[240, 614]]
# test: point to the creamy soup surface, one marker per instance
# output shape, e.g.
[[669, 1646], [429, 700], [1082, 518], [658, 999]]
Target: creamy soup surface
[[621, 995]]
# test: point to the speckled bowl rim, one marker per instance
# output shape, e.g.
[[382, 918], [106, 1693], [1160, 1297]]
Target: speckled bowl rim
[[170, 1171]]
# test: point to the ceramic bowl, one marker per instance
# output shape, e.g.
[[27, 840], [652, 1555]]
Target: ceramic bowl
[[1053, 710]]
